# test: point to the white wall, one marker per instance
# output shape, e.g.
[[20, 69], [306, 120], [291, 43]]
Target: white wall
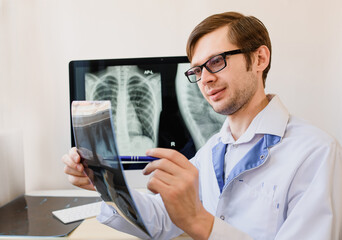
[[39, 37], [12, 172]]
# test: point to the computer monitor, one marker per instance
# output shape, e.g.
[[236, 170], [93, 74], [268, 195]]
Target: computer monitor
[[153, 103]]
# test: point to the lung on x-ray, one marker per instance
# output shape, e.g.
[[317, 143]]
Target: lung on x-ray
[[153, 104], [135, 95]]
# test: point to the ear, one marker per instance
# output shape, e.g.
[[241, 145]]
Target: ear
[[262, 57]]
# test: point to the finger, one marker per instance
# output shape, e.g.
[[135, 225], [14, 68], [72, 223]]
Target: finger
[[89, 187], [155, 185], [68, 161], [164, 177], [162, 164], [71, 171], [82, 182], [169, 154], [74, 155]]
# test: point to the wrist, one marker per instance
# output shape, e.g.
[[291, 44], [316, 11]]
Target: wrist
[[201, 226]]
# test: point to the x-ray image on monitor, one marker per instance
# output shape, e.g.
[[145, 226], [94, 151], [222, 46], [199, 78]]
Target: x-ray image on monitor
[[135, 96], [153, 103], [200, 118]]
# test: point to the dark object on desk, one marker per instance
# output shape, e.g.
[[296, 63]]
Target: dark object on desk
[[32, 215]]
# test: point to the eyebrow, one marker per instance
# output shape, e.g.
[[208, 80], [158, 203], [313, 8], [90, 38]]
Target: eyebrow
[[210, 56]]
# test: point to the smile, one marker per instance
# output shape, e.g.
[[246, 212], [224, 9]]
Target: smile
[[216, 94]]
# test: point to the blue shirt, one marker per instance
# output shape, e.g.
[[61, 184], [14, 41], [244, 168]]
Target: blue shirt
[[284, 183]]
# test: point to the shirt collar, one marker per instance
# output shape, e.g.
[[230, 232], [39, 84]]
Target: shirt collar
[[271, 120]]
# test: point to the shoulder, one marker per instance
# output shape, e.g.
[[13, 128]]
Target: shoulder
[[304, 142], [301, 131]]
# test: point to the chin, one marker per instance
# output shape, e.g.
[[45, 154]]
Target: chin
[[226, 110], [220, 110]]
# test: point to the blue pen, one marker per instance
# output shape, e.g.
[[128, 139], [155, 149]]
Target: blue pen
[[138, 158]]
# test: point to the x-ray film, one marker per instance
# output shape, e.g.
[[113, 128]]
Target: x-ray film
[[95, 141]]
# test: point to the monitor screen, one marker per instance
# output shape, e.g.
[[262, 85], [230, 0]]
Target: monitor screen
[[153, 103]]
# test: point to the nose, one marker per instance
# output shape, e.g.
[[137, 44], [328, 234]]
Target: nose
[[207, 77]]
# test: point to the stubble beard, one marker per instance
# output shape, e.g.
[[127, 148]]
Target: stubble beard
[[240, 99]]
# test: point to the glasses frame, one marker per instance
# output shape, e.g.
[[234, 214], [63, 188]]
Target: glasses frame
[[224, 55]]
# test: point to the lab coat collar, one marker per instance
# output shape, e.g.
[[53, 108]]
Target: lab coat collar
[[271, 120]]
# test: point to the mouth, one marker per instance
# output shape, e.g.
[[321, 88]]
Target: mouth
[[215, 94]]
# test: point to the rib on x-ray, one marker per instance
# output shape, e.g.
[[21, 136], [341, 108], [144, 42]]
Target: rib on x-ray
[[135, 96], [199, 117]]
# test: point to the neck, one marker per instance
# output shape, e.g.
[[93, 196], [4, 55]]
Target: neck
[[240, 120]]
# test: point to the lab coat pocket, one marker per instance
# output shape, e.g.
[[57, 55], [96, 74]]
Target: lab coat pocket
[[255, 208]]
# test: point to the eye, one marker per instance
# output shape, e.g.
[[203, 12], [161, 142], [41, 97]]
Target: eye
[[215, 62], [194, 71], [197, 71]]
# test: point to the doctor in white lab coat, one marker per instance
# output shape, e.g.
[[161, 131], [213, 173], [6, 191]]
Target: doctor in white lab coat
[[265, 175]]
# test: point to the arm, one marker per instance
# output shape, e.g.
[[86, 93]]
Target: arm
[[176, 180], [153, 212], [150, 206]]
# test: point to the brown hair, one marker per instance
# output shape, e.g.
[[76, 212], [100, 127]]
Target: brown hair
[[246, 32]]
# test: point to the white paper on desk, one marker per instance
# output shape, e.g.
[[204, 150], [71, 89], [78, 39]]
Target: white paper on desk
[[95, 141]]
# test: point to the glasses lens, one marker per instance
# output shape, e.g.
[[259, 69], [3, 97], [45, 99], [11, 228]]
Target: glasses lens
[[216, 63], [194, 74]]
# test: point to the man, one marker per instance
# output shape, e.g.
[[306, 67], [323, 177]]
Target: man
[[265, 175]]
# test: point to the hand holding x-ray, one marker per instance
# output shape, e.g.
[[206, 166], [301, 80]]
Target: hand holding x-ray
[[96, 145], [77, 172]]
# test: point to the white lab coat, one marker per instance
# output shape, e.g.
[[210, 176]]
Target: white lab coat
[[293, 193]]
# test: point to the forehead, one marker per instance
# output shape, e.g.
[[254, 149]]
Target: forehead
[[211, 44]]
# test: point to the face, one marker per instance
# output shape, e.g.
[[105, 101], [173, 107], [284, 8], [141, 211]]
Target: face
[[232, 88]]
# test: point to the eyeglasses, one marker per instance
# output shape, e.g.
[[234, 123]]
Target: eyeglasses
[[213, 65]]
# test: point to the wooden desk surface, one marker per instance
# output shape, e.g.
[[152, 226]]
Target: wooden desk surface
[[92, 229]]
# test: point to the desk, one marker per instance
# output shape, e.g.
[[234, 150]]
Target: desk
[[89, 228], [92, 229]]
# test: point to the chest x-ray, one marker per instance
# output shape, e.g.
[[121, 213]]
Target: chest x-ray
[[135, 96]]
